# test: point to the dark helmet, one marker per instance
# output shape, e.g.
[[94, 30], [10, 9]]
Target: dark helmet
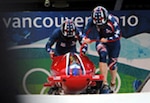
[[99, 15], [68, 28]]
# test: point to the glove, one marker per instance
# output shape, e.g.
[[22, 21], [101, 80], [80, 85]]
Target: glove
[[52, 54], [84, 49], [86, 40]]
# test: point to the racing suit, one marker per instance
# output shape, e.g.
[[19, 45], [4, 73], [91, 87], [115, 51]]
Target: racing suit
[[63, 44], [109, 50], [111, 31]]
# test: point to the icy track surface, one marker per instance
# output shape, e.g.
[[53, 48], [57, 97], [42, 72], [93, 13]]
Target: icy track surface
[[102, 98]]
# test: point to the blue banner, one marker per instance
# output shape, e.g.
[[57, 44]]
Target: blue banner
[[28, 27]]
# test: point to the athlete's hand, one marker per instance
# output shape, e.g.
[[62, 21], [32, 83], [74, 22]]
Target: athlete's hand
[[87, 40], [103, 40], [51, 53]]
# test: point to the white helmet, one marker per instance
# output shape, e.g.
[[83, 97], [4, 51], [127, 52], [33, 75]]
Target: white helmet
[[99, 15], [68, 28]]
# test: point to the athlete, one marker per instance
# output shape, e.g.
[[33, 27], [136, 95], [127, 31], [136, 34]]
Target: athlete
[[65, 38], [74, 65], [104, 28]]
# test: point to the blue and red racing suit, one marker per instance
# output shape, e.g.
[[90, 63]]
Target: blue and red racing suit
[[110, 31], [63, 44]]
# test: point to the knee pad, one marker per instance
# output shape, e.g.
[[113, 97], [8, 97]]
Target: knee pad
[[102, 52], [102, 56], [112, 63]]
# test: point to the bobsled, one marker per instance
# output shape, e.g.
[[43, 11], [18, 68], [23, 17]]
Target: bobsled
[[73, 73]]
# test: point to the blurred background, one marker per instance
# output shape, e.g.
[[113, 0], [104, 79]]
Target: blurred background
[[47, 5]]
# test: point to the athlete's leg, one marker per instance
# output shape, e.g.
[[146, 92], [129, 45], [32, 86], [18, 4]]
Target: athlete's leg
[[103, 71], [113, 72], [113, 54], [102, 61]]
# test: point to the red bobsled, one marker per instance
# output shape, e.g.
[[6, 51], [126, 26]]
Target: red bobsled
[[73, 74]]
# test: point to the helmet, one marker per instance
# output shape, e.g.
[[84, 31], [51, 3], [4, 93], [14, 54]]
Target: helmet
[[99, 15], [68, 28], [75, 69], [74, 65]]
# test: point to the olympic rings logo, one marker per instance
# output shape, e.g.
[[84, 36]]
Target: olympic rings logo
[[29, 73]]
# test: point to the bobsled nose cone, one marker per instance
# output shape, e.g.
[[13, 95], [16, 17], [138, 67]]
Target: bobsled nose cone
[[75, 84]]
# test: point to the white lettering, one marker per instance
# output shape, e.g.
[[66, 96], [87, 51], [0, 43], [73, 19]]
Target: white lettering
[[79, 21], [48, 22], [35, 22], [134, 18], [26, 20], [16, 23], [131, 20], [123, 20], [7, 23]]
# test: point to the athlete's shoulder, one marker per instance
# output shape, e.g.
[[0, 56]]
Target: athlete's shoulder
[[89, 23], [90, 20], [56, 32], [113, 18]]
